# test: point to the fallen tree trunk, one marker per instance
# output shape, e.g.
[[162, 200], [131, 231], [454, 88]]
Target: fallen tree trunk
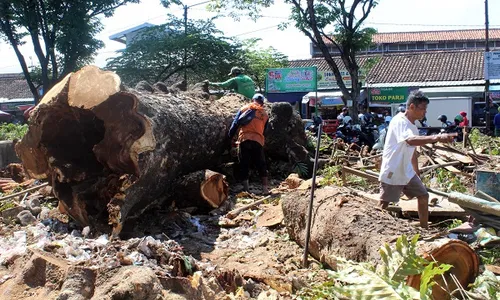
[[110, 153], [204, 190], [352, 228]]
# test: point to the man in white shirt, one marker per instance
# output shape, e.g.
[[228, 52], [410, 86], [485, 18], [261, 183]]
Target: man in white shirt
[[399, 171]]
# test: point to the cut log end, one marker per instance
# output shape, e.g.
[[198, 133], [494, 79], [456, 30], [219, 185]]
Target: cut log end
[[453, 252], [203, 189]]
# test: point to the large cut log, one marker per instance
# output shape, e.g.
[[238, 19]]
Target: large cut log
[[110, 153], [204, 190], [345, 226]]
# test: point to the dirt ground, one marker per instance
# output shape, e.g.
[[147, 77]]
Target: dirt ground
[[233, 259]]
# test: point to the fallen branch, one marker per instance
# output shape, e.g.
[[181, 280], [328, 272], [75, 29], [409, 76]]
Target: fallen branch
[[24, 191], [235, 212], [365, 174]]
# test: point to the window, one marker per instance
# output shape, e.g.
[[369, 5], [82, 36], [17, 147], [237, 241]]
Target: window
[[471, 44], [420, 46], [393, 48], [450, 45], [441, 45], [480, 44], [412, 47], [431, 46], [459, 45]]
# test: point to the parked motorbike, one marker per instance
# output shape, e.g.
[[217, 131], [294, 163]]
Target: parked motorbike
[[354, 134]]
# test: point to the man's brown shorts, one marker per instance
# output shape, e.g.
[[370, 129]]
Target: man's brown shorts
[[391, 193]]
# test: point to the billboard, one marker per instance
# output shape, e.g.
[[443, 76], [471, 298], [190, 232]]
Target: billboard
[[291, 80], [327, 81]]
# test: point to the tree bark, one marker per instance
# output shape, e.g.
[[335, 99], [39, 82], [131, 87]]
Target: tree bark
[[342, 225], [112, 153]]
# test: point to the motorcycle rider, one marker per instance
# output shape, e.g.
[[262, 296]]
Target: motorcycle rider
[[444, 121], [343, 114]]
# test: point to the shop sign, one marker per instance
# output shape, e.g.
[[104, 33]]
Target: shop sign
[[491, 65], [389, 94], [291, 80], [327, 81]]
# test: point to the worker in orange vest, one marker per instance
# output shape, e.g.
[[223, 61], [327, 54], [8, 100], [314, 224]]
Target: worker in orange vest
[[250, 123]]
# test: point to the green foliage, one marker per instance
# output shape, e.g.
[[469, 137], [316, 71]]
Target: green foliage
[[449, 181], [331, 175], [62, 33], [301, 169], [355, 280], [7, 205], [158, 53], [257, 59], [455, 223], [9, 132], [488, 143], [489, 256]]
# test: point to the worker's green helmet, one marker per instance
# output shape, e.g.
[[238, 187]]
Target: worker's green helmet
[[235, 71]]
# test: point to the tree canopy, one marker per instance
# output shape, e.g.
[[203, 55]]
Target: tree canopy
[[335, 22], [257, 59], [157, 54], [62, 33]]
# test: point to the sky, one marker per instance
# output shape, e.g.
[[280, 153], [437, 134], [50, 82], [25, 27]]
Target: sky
[[388, 16]]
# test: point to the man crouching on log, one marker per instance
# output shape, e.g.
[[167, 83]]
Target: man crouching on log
[[251, 120], [399, 171]]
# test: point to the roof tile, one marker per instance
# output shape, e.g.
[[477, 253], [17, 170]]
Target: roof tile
[[14, 86], [414, 66]]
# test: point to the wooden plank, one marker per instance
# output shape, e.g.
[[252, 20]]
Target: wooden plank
[[455, 156], [443, 207], [451, 168]]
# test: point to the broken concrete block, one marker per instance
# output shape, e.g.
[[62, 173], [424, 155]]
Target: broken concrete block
[[26, 218], [79, 284], [10, 215]]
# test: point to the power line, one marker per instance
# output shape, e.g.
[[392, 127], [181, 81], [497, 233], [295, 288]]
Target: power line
[[257, 30]]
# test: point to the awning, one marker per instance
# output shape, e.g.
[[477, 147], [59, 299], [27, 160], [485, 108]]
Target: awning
[[329, 101], [454, 91], [324, 94]]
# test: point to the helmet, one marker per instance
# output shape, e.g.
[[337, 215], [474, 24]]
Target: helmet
[[235, 71], [443, 118], [347, 120], [463, 113], [258, 98], [459, 118], [401, 109]]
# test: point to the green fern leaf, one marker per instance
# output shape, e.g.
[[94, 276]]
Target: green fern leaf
[[426, 279]]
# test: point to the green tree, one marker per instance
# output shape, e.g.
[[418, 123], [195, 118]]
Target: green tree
[[257, 59], [62, 32], [338, 22], [158, 53]]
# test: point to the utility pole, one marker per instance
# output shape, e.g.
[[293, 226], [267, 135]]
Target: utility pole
[[487, 80], [184, 61]]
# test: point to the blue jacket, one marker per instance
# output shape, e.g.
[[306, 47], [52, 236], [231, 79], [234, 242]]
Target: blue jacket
[[496, 121]]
